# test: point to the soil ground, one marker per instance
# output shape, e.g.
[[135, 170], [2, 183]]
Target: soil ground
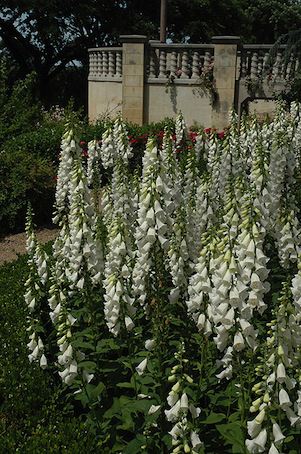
[[13, 245]]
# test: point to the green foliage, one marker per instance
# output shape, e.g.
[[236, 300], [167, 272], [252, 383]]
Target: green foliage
[[33, 414], [24, 177], [19, 109]]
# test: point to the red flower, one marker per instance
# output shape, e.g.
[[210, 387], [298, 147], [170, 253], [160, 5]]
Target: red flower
[[133, 141], [85, 153], [193, 135], [221, 134], [82, 143]]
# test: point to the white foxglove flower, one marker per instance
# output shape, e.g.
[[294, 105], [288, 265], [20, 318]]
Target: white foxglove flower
[[284, 400], [141, 366], [277, 434], [273, 449], [43, 362], [280, 373], [258, 443], [149, 344], [153, 409]]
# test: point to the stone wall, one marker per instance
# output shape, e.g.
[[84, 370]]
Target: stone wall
[[148, 81]]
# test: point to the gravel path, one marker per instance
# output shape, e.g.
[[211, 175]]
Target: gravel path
[[13, 245]]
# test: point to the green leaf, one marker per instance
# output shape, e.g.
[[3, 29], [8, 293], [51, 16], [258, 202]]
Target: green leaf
[[134, 446], [107, 345], [88, 365], [83, 344], [125, 385], [233, 435], [98, 390], [213, 418]]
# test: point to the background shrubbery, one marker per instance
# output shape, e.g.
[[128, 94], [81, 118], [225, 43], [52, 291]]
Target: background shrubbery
[[29, 150]]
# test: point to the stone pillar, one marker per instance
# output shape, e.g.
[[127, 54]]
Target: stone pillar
[[133, 70], [225, 57]]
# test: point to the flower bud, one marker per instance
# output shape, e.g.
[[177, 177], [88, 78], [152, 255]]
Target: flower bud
[[186, 448], [176, 387]]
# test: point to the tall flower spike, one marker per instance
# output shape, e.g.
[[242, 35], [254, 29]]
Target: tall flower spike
[[93, 176], [182, 413], [108, 150], [180, 130], [34, 293], [85, 250], [191, 182], [118, 306], [70, 150], [121, 141], [200, 285], [179, 256], [277, 395], [78, 263], [152, 228]]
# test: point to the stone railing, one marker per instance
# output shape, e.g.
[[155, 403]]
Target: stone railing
[[255, 62], [178, 61], [105, 63], [139, 75]]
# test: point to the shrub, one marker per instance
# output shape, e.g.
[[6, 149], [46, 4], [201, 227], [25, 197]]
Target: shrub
[[20, 110], [25, 177], [44, 141]]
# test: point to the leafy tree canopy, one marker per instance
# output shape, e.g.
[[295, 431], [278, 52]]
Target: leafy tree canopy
[[47, 36]]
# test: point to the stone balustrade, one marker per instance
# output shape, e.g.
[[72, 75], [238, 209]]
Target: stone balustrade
[[255, 62], [105, 63], [178, 61], [137, 78]]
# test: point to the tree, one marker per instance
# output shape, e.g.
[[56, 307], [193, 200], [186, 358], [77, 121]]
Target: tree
[[51, 37]]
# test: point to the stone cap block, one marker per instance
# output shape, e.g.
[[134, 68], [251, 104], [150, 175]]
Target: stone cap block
[[225, 39], [133, 38]]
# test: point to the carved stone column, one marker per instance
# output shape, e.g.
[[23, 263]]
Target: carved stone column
[[133, 70], [225, 57]]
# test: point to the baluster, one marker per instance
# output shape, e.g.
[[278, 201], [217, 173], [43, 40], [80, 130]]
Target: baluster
[[111, 64], [179, 63], [207, 61], [296, 65], [98, 64], [266, 63], [162, 64], [195, 65], [152, 64], [104, 63], [289, 67], [277, 66], [254, 65], [243, 64], [118, 63], [185, 69], [92, 65], [260, 65], [173, 63], [95, 64]]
